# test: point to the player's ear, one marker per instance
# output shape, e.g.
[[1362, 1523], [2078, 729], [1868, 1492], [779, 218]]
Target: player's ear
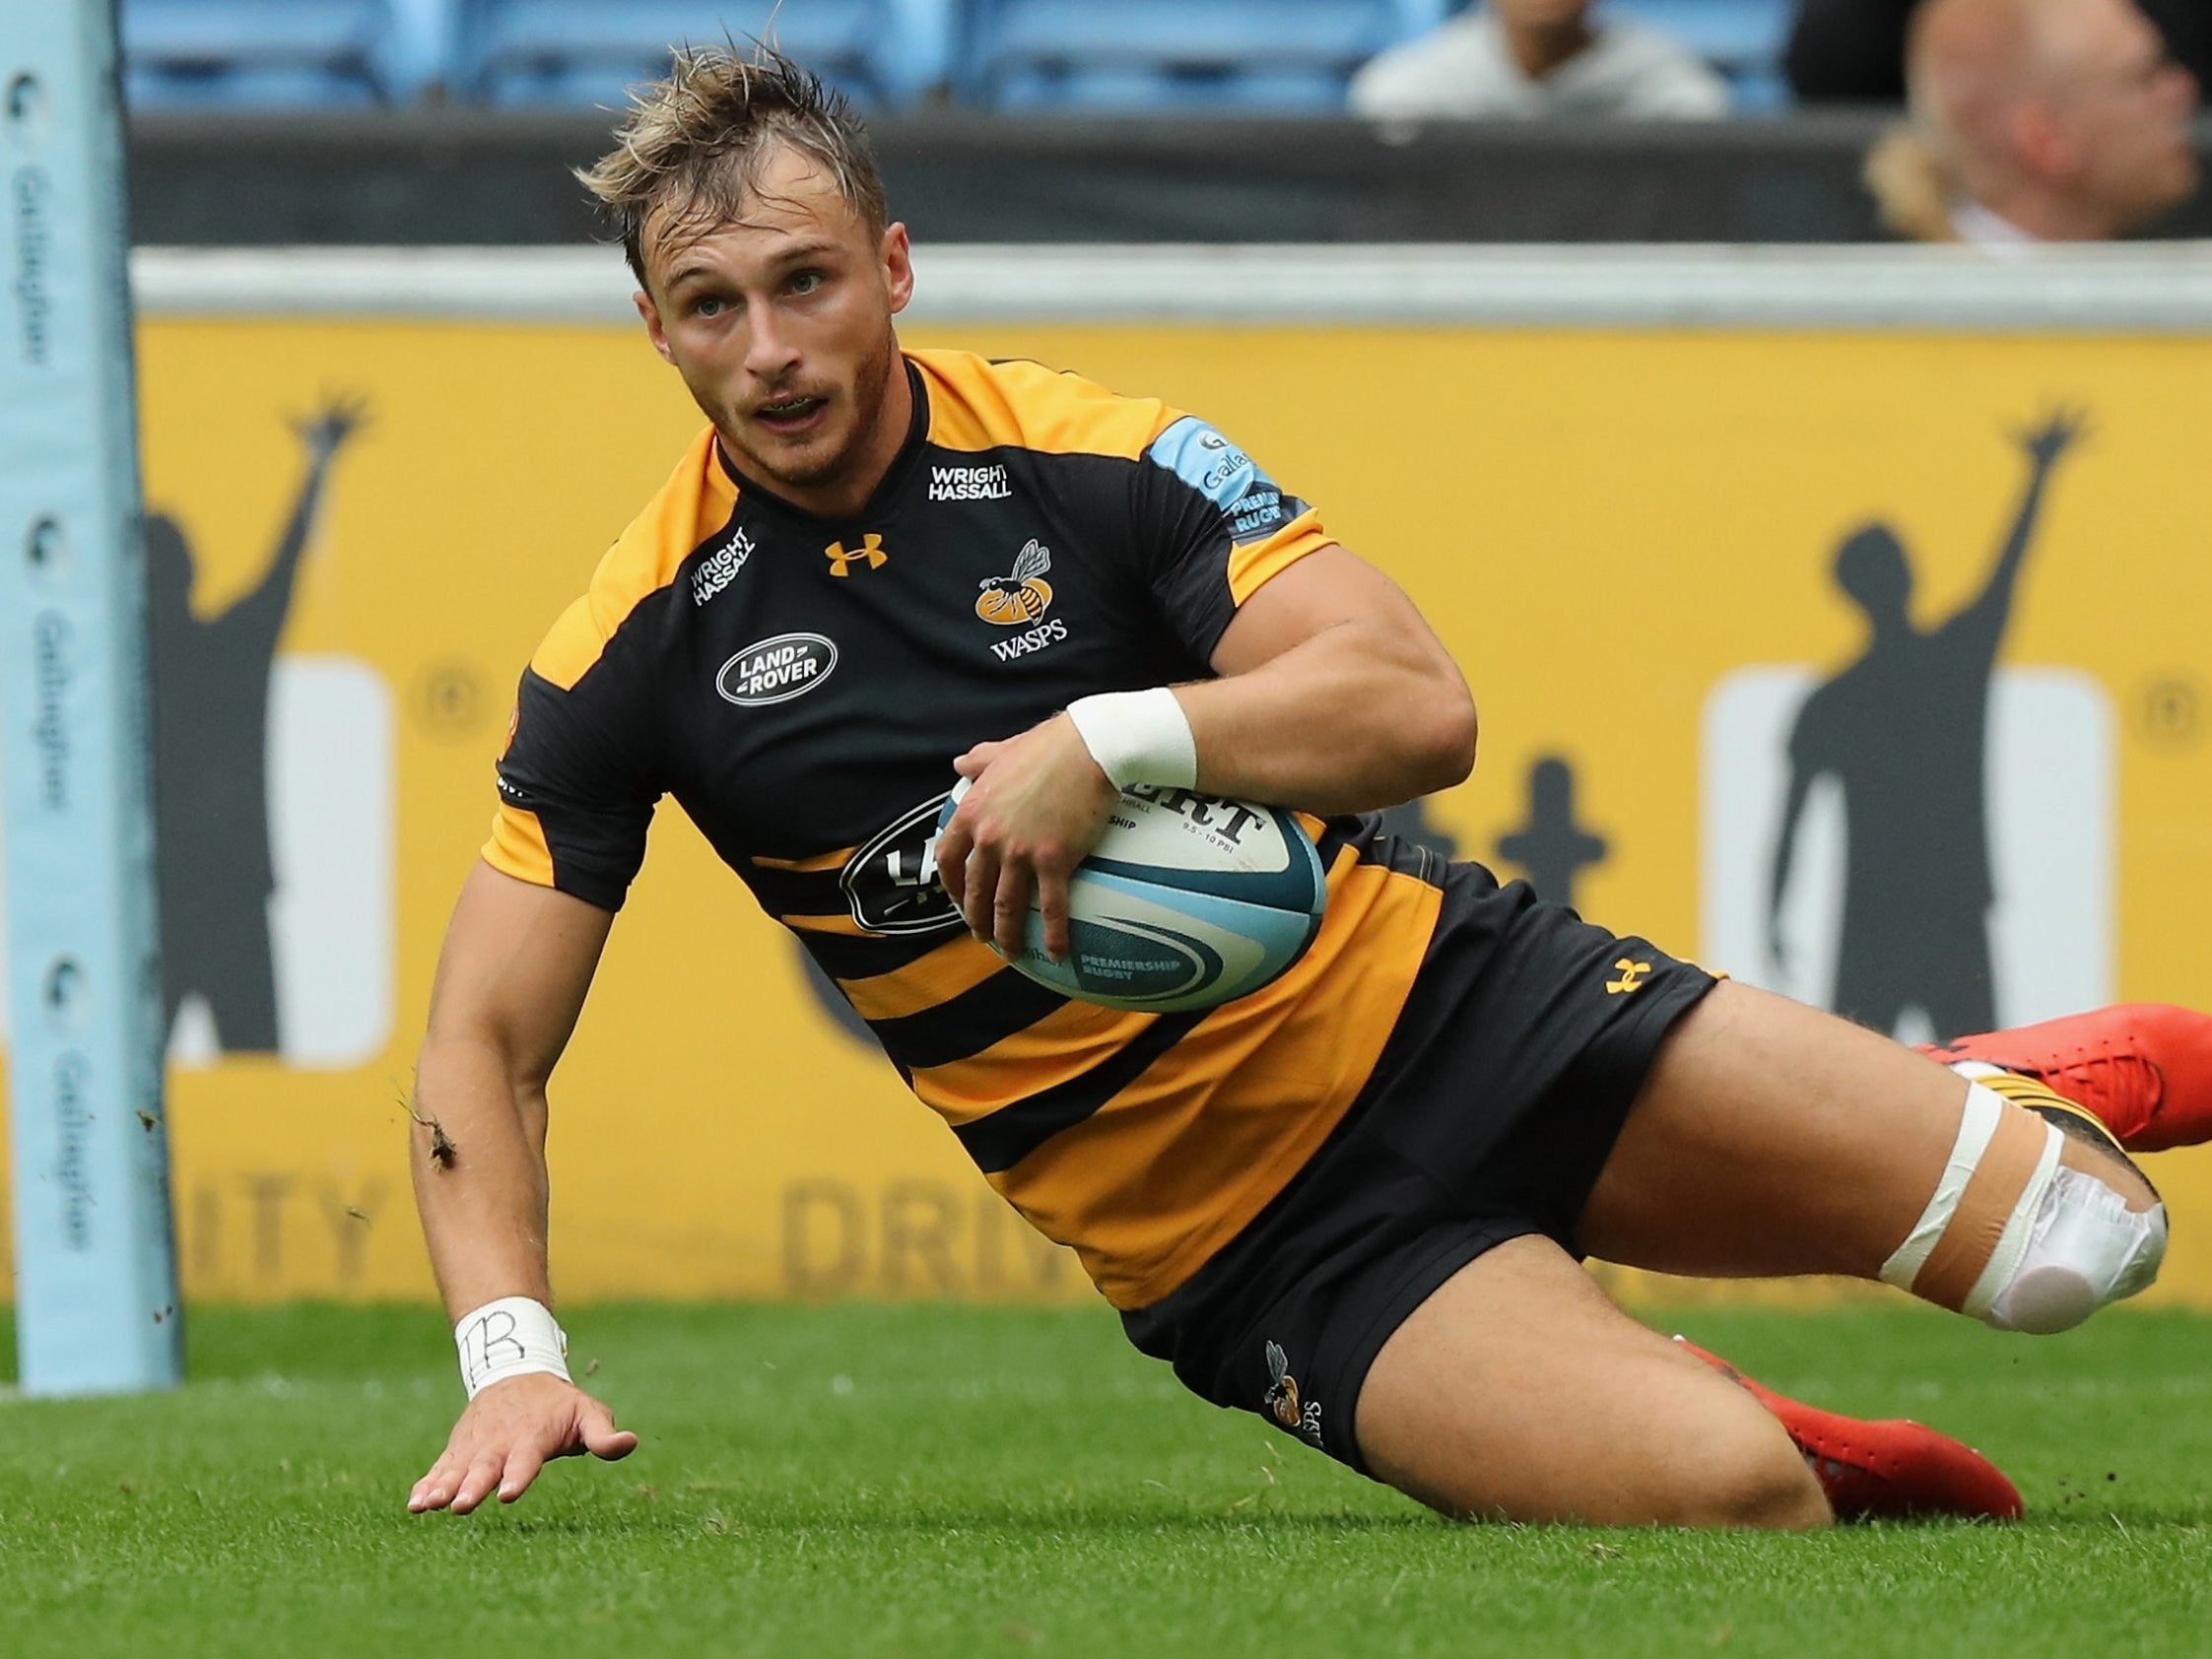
[[653, 331], [896, 256]]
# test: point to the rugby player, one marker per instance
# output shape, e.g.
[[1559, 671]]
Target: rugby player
[[1353, 1202]]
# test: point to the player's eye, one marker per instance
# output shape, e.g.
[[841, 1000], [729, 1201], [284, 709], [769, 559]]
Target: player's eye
[[807, 282], [709, 306]]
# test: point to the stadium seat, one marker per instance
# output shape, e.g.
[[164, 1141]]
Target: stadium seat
[[1742, 38], [1223, 55], [587, 51], [211, 53]]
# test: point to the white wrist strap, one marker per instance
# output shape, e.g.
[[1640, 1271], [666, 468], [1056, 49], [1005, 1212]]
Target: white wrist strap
[[511, 1337], [1138, 736]]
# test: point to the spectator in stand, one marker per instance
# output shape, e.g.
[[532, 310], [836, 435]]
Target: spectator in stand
[[1538, 57], [1852, 51], [2034, 121]]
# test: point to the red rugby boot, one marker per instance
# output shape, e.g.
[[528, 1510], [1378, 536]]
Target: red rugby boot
[[1892, 1470], [2143, 1069]]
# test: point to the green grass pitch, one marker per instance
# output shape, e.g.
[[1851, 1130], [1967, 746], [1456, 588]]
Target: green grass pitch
[[953, 1480]]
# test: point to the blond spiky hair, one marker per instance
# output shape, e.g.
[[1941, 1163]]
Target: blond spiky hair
[[696, 142]]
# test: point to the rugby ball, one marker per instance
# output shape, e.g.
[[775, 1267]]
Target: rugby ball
[[1186, 902]]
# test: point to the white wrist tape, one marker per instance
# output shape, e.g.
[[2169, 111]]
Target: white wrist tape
[[1138, 736], [511, 1337]]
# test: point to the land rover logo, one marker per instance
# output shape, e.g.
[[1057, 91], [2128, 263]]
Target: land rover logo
[[776, 670]]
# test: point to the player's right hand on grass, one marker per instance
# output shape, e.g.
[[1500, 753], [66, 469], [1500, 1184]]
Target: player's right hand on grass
[[506, 1434]]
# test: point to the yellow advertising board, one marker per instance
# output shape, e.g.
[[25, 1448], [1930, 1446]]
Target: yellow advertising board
[[1630, 538]]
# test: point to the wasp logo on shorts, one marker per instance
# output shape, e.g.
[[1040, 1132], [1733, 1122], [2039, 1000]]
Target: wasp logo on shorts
[[1300, 1417], [1023, 595], [1630, 979], [869, 553], [1282, 1394]]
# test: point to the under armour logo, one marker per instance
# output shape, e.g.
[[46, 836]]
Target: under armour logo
[[870, 549], [1630, 979]]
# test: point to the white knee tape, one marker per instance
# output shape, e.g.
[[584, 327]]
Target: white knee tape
[[2088, 1249], [1977, 1127], [2018, 1237]]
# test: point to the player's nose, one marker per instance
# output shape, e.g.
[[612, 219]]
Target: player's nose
[[770, 352]]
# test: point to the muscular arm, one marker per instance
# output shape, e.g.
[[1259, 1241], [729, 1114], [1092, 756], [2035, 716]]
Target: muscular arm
[[511, 981], [1334, 696]]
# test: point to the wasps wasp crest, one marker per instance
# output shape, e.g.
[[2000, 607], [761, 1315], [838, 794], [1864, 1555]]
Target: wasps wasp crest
[[1021, 596]]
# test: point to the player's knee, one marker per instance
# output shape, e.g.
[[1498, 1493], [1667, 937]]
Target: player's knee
[[1759, 1482], [2024, 1237], [2090, 1247]]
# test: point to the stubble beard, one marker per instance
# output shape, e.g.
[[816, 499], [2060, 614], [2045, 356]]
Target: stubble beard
[[870, 392]]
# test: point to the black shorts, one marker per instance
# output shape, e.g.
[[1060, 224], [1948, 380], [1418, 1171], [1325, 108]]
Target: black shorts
[[1490, 1114]]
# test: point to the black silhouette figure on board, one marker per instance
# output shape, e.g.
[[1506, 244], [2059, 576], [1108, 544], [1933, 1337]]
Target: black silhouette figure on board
[[1903, 731], [210, 792], [1551, 846]]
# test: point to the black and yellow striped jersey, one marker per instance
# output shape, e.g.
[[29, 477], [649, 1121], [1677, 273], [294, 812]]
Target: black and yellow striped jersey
[[800, 687]]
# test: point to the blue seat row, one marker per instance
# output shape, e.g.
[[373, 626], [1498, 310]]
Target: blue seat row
[[261, 52], [1291, 55], [586, 51], [1082, 54]]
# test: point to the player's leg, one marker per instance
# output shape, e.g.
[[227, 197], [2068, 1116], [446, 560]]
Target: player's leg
[[1893, 1469], [1770, 1138], [1518, 1391]]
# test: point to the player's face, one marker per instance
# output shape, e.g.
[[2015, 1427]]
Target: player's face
[[2126, 111], [780, 323]]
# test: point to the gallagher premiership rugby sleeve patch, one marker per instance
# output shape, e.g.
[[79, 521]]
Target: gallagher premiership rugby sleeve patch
[[1231, 529], [1251, 501]]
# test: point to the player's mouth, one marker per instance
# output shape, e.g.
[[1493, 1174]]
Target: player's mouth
[[793, 417]]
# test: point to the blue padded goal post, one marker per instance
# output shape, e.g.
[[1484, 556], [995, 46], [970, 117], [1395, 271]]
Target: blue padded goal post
[[96, 1309]]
